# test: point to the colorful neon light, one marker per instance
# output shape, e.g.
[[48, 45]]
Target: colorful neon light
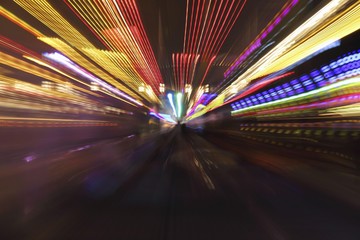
[[344, 67], [258, 40]]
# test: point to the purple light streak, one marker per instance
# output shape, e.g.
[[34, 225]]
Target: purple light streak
[[61, 59], [257, 43]]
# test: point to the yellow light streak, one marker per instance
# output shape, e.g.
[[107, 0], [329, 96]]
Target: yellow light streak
[[77, 80], [326, 26], [16, 63], [32, 88], [42, 63], [43, 11], [7, 14], [83, 62]]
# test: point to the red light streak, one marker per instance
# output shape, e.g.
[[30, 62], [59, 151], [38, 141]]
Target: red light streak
[[231, 23], [213, 30], [8, 43], [257, 86], [207, 69], [207, 25], [118, 24], [197, 28]]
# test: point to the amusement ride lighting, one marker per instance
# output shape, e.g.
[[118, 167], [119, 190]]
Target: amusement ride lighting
[[44, 9], [42, 63]]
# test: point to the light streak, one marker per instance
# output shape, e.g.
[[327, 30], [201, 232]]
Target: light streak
[[349, 83], [344, 67], [258, 86], [7, 14], [118, 25], [34, 70], [163, 116], [42, 63], [83, 62], [299, 44], [327, 104], [43, 11], [327, 25], [207, 25], [352, 110], [179, 104], [263, 34], [170, 97], [50, 17], [16, 47], [67, 63]]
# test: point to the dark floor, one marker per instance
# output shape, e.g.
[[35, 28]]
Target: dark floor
[[181, 185]]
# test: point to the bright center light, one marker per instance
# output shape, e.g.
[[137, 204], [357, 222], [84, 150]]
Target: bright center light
[[179, 104], [170, 97]]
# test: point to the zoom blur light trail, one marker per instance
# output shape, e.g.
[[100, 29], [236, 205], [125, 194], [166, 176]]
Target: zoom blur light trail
[[207, 25], [24, 66], [179, 98], [72, 43], [340, 101], [345, 66], [9, 15], [170, 97], [258, 86], [22, 96], [57, 79], [262, 35], [119, 26], [80, 60], [329, 24], [45, 13], [163, 116], [349, 83], [57, 57]]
